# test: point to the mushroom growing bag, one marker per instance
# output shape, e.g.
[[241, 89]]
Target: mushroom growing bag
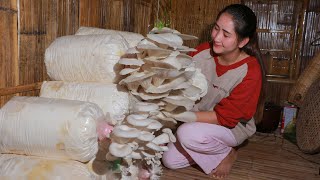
[[48, 127], [20, 167], [109, 97], [85, 58], [132, 38]]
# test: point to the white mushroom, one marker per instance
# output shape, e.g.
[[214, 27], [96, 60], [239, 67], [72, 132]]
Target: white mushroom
[[154, 51], [170, 39], [134, 155], [161, 139], [132, 51], [131, 61], [154, 125], [149, 96], [146, 136], [180, 101], [171, 135], [156, 147], [126, 71], [145, 107], [137, 76], [119, 150], [138, 120], [166, 73], [164, 87], [157, 81], [148, 155], [125, 131]]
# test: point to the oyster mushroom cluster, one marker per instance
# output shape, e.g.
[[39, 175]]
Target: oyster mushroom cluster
[[164, 82]]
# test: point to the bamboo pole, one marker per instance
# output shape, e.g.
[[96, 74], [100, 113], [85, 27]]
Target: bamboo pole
[[20, 89]]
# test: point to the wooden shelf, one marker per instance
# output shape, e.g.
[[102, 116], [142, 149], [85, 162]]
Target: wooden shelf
[[280, 80], [275, 31], [276, 50]]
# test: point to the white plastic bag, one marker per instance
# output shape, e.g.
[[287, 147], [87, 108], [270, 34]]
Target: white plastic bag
[[13, 167], [85, 58], [132, 38], [109, 97], [48, 127]]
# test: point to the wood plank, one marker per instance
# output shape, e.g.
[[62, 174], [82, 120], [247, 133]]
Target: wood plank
[[20, 89]]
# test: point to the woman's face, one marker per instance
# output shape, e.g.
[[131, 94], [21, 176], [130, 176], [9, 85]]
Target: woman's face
[[224, 36]]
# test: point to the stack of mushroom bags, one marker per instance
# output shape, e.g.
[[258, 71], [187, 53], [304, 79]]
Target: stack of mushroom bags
[[55, 135], [102, 81], [164, 82]]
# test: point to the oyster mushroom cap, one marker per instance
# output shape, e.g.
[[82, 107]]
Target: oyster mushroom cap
[[162, 117], [146, 42], [170, 39], [152, 61], [132, 50], [161, 139], [145, 107], [154, 51], [184, 60], [173, 61], [156, 30], [171, 135], [146, 136], [131, 61], [180, 101], [134, 155], [199, 80], [149, 96], [137, 76], [156, 147], [154, 125], [120, 150], [172, 84], [166, 73], [147, 154], [138, 120], [126, 71], [125, 131]]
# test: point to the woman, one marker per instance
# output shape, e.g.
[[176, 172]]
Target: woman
[[223, 119]]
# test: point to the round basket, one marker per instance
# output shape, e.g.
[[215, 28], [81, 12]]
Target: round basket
[[307, 77], [308, 121]]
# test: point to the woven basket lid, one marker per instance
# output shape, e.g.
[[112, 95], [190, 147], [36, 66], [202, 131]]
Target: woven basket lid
[[308, 121]]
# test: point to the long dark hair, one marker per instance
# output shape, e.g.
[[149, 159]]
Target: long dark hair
[[245, 24]]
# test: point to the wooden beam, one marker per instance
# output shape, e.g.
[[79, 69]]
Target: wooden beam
[[20, 89]]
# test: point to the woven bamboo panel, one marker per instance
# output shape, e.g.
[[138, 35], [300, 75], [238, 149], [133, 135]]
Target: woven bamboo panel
[[102, 14], [9, 47], [40, 24], [311, 38], [277, 92], [142, 16], [196, 17]]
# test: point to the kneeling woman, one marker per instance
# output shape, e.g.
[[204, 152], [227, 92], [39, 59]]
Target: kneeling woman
[[223, 119]]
